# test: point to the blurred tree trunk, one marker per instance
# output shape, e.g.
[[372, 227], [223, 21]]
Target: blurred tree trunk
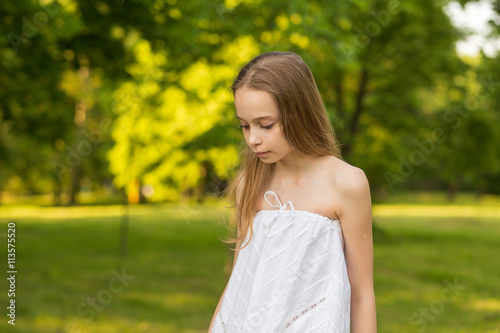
[[339, 95], [123, 237], [57, 192], [200, 188], [358, 110], [76, 177], [131, 198]]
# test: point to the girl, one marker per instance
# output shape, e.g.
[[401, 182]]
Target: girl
[[303, 260]]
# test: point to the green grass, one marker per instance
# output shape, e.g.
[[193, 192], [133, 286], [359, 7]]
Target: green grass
[[180, 267]]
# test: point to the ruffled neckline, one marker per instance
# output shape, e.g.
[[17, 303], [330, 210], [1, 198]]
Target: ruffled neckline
[[303, 212]]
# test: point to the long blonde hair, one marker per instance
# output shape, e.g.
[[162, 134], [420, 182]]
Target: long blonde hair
[[305, 125]]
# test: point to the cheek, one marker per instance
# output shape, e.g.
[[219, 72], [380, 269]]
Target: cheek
[[279, 136]]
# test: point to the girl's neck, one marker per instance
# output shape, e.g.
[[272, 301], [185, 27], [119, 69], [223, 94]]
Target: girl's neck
[[294, 167]]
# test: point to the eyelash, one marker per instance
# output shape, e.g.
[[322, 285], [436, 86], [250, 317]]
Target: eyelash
[[265, 127]]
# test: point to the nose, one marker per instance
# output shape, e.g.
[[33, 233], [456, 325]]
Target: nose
[[254, 138]]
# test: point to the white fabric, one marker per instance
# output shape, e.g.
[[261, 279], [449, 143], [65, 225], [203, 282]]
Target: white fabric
[[291, 277]]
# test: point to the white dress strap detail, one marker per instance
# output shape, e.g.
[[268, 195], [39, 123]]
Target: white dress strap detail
[[281, 207]]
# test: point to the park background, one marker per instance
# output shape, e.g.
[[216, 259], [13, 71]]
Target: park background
[[118, 134]]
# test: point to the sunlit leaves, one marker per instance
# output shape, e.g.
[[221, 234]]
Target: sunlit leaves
[[157, 119], [241, 50]]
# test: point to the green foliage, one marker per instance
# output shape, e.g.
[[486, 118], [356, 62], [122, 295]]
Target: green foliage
[[137, 91]]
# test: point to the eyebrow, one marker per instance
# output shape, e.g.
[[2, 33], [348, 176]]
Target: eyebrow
[[258, 118]]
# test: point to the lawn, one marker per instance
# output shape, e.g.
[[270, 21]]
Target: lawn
[[436, 267]]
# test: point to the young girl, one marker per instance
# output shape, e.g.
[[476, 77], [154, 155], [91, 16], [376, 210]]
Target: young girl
[[304, 253]]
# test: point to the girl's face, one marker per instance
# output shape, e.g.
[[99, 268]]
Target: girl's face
[[259, 117]]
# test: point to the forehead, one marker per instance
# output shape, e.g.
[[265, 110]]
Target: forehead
[[254, 104], [268, 117]]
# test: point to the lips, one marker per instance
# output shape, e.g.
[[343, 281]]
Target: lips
[[261, 154]]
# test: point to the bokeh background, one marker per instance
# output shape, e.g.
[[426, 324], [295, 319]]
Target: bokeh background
[[118, 134]]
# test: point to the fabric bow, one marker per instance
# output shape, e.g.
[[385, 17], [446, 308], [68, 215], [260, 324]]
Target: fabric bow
[[281, 207]]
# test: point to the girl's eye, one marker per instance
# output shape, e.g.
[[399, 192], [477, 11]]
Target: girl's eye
[[247, 126]]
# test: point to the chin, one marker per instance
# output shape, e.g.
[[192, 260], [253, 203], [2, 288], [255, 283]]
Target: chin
[[272, 161], [268, 160]]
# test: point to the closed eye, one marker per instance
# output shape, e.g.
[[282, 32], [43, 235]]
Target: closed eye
[[247, 126]]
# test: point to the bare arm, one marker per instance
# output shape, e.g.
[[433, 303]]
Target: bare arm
[[356, 219]]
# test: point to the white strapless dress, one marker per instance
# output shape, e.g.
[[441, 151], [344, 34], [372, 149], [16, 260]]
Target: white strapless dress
[[291, 277]]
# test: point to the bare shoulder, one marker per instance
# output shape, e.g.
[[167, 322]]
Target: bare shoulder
[[350, 185], [345, 177], [346, 180]]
